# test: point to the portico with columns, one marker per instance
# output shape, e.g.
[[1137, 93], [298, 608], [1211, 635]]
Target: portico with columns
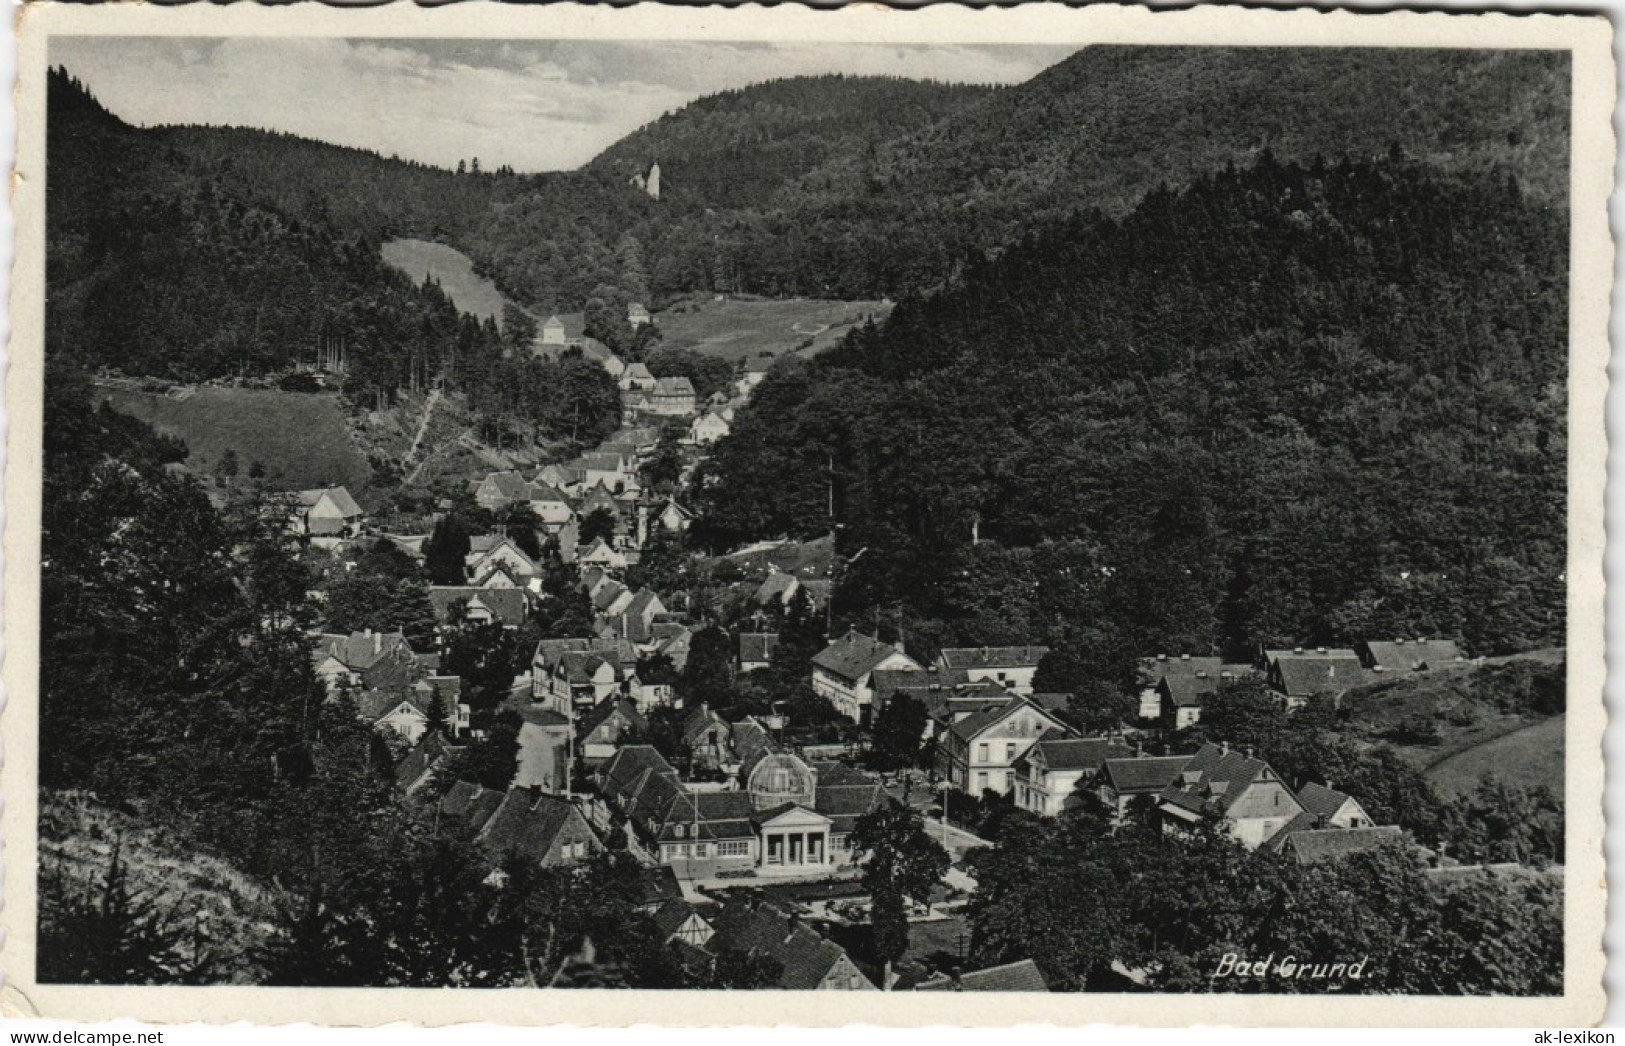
[[794, 840]]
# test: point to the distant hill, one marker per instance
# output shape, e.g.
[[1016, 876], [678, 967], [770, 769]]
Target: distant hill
[[737, 149], [861, 188]]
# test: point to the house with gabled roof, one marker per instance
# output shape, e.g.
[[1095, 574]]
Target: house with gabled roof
[[674, 517], [415, 770], [1012, 667], [1319, 845], [756, 650], [498, 490], [672, 396], [465, 604], [364, 659], [1331, 808], [327, 513], [636, 314], [601, 731], [1243, 793], [1405, 656], [1121, 783], [537, 828], [1047, 774], [979, 752], [559, 476], [842, 672], [1152, 670], [601, 554], [551, 506], [708, 428], [759, 930], [1022, 976], [1299, 674], [783, 816], [488, 550], [636, 378]]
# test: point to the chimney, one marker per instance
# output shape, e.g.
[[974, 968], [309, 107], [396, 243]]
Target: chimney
[[1329, 786], [1297, 650], [1249, 753], [377, 642], [1224, 747], [1162, 657], [956, 979], [1184, 657], [795, 924], [984, 653], [1320, 650]]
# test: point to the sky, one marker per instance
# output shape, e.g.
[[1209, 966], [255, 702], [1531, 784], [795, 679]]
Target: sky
[[532, 105]]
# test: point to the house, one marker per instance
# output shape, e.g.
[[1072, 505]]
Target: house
[[540, 829], [672, 396], [786, 817], [498, 490], [674, 517], [1122, 782], [979, 752], [1403, 656], [755, 370], [601, 731], [1022, 976], [448, 691], [544, 756], [600, 554], [614, 365], [611, 469], [636, 378], [777, 589], [634, 619], [416, 769], [708, 737], [809, 961], [580, 680], [1011, 667], [1315, 846], [1248, 797], [560, 476], [672, 640], [1153, 670], [1046, 775], [327, 513], [553, 332], [1297, 675], [465, 604], [552, 507], [842, 672], [636, 314], [708, 428], [1181, 697], [488, 550], [1331, 808], [756, 650], [363, 660], [405, 713]]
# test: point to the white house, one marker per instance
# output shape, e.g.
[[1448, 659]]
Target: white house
[[843, 672]]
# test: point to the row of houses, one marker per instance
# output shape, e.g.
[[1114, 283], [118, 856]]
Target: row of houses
[[844, 672], [777, 815], [1175, 689], [392, 686]]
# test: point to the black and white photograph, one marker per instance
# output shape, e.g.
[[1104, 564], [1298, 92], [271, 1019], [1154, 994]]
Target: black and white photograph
[[1084, 518]]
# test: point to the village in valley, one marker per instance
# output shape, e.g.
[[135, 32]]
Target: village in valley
[[726, 566], [745, 822]]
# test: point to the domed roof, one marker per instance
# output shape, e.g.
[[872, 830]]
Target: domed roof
[[780, 778]]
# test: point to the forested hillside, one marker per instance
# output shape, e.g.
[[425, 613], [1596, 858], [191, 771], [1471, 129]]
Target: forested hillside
[[908, 181], [1289, 404], [181, 262]]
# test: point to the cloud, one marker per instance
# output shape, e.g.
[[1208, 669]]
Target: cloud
[[534, 105]]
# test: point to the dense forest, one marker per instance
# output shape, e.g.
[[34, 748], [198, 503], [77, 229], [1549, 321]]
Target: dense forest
[[1290, 404], [188, 263], [863, 187]]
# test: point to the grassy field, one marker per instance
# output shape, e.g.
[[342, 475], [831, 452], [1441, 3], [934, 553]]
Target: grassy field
[[1530, 756], [468, 291], [300, 438], [736, 330]]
